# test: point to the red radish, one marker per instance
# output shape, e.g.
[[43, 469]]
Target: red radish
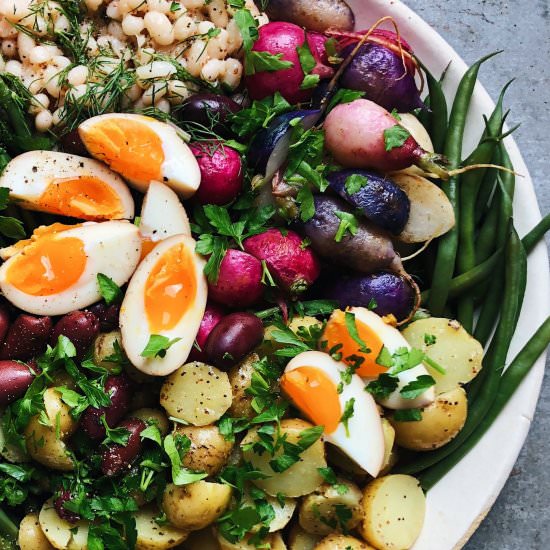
[[283, 38], [221, 172], [213, 314], [357, 134], [293, 265], [239, 280], [316, 42]]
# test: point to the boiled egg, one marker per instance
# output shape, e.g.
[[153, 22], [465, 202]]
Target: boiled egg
[[376, 334], [310, 381], [166, 297], [55, 272], [162, 215], [142, 149], [69, 185]]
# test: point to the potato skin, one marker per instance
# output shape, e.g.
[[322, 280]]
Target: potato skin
[[441, 422], [209, 451], [194, 506], [153, 416], [151, 536], [104, 346], [342, 542], [298, 539], [240, 378], [319, 508], [31, 536]]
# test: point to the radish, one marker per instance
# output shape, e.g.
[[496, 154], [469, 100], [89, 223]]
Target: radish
[[292, 264], [221, 172], [239, 280], [213, 314], [361, 134]]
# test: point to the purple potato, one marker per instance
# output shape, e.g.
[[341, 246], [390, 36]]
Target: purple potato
[[117, 458], [234, 337], [393, 293], [370, 249], [381, 201], [380, 73], [15, 379], [80, 327], [26, 337]]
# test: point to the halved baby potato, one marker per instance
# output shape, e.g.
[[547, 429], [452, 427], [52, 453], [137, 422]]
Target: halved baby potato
[[152, 536], [61, 534]]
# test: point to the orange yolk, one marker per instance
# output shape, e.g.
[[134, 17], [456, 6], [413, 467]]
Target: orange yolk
[[47, 266], [170, 289], [315, 394], [129, 147], [337, 333], [146, 246], [84, 197]]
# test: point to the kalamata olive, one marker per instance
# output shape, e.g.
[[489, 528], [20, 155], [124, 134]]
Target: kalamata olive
[[209, 110], [80, 327], [4, 321], [118, 388], [115, 458], [27, 337], [107, 315], [234, 337], [65, 496], [71, 143], [15, 378]]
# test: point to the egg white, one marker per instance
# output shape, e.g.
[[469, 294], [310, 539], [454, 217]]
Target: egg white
[[27, 176], [365, 443], [180, 169], [112, 248], [133, 319]]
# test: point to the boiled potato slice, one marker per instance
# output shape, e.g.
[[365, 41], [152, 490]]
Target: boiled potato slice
[[394, 507], [318, 510], [31, 536], [195, 506], [196, 393], [431, 214], [44, 446], [454, 349], [153, 416], [302, 477], [342, 542], [389, 440], [104, 346], [240, 378], [298, 539], [205, 539], [283, 514], [59, 413], [441, 422], [275, 542], [152, 536], [60, 533]]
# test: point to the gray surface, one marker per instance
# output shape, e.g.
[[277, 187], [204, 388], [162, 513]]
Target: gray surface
[[521, 515]]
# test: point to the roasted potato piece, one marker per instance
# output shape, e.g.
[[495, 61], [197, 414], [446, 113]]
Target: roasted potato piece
[[195, 506], [152, 536], [31, 536], [394, 507], [209, 451], [441, 422]]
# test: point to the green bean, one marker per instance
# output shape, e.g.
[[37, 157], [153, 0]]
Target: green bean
[[425, 115], [485, 242], [446, 253], [8, 100], [466, 281], [438, 122], [7, 528], [490, 308], [507, 184], [513, 376], [487, 188], [536, 234], [494, 362]]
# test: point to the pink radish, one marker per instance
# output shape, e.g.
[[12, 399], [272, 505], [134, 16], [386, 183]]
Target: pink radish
[[213, 314]]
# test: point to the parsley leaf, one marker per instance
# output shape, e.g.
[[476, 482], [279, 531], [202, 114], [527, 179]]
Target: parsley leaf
[[78, 403], [180, 475], [257, 62], [153, 433], [430, 339], [351, 327], [259, 114], [344, 95], [12, 227], [330, 477], [118, 436], [348, 222], [355, 183], [158, 345], [310, 81], [395, 137], [291, 451], [308, 63], [417, 387], [348, 414], [307, 205], [407, 415], [383, 386], [108, 289]]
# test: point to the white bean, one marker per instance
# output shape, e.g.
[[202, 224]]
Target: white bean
[[9, 47], [77, 75], [184, 27], [39, 102], [58, 115], [218, 13], [43, 120], [25, 44], [133, 93], [161, 6], [112, 11], [132, 25], [34, 84], [196, 57], [7, 30], [205, 26], [114, 28], [163, 105], [193, 4], [159, 28], [15, 10], [212, 70], [62, 24], [60, 61], [40, 54], [217, 47], [233, 73], [235, 39], [178, 92], [154, 93], [156, 69], [14, 67]]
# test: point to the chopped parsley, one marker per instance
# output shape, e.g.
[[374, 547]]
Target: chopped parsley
[[348, 224], [351, 326], [417, 387], [407, 415], [108, 289], [348, 414], [355, 183], [158, 345], [308, 63], [118, 436], [430, 339], [330, 477], [395, 137]]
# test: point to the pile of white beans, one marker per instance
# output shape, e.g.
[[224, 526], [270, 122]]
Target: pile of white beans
[[133, 32]]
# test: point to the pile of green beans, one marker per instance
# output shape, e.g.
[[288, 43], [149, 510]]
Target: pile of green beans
[[482, 262]]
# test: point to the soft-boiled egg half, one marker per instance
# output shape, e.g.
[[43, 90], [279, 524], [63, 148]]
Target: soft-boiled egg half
[[376, 334], [162, 216], [166, 297], [69, 185], [55, 272], [142, 149], [311, 382]]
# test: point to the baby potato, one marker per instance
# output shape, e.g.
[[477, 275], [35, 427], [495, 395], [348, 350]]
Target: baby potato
[[151, 535], [441, 422], [319, 511], [283, 513], [240, 378], [389, 440], [205, 539], [196, 393], [453, 348], [195, 506], [209, 451], [298, 539], [60, 533], [274, 540], [31, 536], [342, 542], [301, 478], [393, 512], [58, 413], [153, 416], [104, 346]]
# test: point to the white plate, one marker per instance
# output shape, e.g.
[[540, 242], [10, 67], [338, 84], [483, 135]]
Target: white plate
[[460, 501]]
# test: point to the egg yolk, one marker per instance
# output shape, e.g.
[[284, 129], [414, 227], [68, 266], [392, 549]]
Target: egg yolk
[[315, 394], [147, 245], [336, 333], [84, 197], [128, 146], [49, 265], [170, 289]]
